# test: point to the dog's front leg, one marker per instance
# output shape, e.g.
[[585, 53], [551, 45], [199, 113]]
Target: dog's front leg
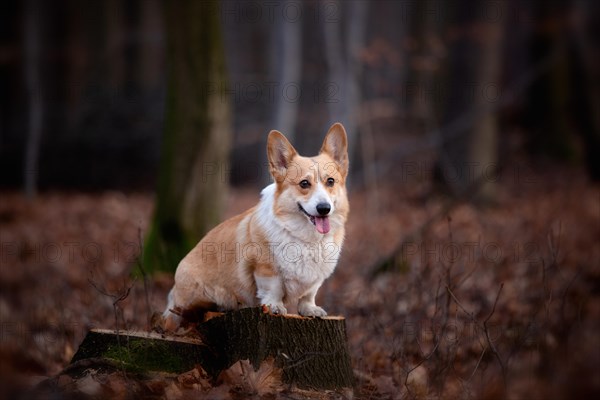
[[307, 306], [269, 290]]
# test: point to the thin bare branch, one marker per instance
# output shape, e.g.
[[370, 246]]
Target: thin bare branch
[[477, 365], [488, 338], [427, 357], [458, 303], [140, 266], [495, 303]]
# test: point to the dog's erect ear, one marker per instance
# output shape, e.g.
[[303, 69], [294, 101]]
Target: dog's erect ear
[[336, 145], [280, 153]]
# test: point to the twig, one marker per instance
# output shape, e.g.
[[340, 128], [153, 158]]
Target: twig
[[487, 335], [467, 275], [554, 245], [140, 266], [547, 300], [564, 295], [486, 330], [459, 304], [437, 297], [419, 364], [117, 298], [477, 365]]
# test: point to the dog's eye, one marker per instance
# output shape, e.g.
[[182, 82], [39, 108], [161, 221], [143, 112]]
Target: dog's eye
[[330, 182], [304, 184]]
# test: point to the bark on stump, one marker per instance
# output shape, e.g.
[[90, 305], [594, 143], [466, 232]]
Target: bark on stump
[[311, 353]]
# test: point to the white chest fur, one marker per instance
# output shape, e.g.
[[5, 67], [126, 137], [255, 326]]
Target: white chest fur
[[304, 264], [303, 257]]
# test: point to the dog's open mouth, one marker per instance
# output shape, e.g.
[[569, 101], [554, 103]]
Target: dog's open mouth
[[320, 222]]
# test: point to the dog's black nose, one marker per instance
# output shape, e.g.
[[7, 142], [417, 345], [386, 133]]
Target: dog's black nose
[[323, 208]]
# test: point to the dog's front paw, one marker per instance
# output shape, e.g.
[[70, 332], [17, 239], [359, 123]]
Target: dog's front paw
[[311, 310], [275, 308]]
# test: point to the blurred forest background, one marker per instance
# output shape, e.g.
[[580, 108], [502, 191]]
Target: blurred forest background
[[474, 132]]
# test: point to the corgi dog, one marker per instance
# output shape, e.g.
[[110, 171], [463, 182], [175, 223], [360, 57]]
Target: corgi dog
[[278, 253]]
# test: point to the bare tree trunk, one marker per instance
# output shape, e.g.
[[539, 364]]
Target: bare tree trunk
[[483, 136], [427, 30], [344, 64], [115, 39], [548, 120], [467, 158], [288, 62], [151, 57], [332, 33], [586, 77], [192, 178], [33, 38], [78, 60], [355, 42], [286, 66]]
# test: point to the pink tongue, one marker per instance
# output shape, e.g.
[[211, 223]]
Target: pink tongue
[[322, 224]]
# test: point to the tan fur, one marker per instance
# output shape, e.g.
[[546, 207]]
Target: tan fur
[[272, 252]]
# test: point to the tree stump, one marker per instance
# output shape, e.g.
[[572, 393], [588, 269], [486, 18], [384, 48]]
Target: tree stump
[[310, 353]]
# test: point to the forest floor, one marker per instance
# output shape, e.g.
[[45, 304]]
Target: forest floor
[[501, 301]]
